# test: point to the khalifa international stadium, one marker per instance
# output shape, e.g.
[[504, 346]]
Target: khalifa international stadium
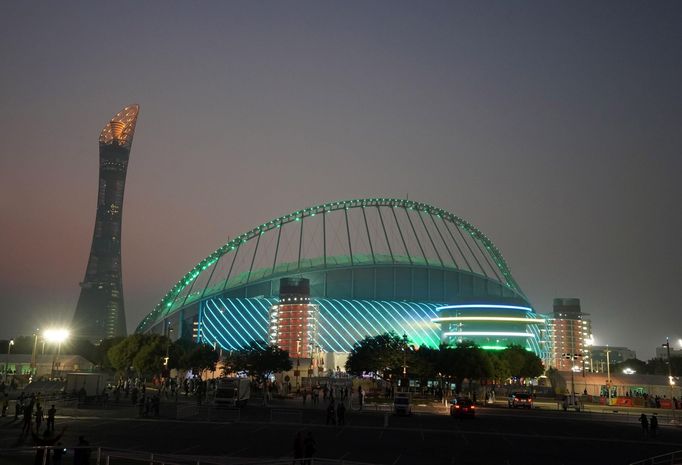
[[373, 265]]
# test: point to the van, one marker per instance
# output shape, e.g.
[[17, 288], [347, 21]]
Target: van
[[402, 404]]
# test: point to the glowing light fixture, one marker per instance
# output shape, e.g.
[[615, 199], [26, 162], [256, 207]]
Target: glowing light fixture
[[507, 307], [56, 335], [488, 318], [488, 333]]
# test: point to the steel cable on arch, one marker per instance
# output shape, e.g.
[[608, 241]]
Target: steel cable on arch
[[182, 293]]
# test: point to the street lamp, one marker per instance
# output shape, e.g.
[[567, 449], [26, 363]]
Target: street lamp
[[33, 354], [57, 336], [608, 374], [572, 357], [9, 347], [670, 380]]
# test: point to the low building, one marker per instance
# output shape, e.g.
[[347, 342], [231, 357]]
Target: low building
[[662, 352], [45, 365]]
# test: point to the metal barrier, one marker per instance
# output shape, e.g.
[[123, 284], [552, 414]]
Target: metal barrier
[[108, 456], [672, 458]]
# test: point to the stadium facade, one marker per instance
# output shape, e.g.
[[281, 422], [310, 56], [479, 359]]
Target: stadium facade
[[100, 313], [374, 265]]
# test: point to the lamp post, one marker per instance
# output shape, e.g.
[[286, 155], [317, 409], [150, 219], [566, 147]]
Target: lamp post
[[10, 343], [572, 357], [33, 354], [608, 375], [671, 381], [56, 336]]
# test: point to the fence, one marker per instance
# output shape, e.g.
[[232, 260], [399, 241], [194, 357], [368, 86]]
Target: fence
[[108, 456], [673, 458]]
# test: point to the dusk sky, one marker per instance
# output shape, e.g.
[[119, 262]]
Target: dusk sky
[[554, 127]]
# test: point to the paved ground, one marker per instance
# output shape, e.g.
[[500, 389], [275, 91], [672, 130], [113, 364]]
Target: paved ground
[[497, 436]]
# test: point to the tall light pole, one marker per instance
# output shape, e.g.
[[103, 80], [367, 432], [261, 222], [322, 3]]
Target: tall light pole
[[608, 374], [33, 354], [56, 336], [10, 343], [670, 380]]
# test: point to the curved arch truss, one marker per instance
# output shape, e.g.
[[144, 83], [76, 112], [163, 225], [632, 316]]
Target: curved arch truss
[[371, 232]]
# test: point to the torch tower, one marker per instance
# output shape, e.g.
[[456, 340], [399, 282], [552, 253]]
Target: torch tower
[[99, 312]]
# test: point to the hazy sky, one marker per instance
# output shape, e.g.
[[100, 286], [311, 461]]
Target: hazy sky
[[555, 127]]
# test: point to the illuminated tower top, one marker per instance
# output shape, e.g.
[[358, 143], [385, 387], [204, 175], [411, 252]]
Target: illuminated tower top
[[121, 129]]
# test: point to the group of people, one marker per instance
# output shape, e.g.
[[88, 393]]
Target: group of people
[[649, 426], [25, 405]]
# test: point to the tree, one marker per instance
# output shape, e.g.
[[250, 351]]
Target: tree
[[143, 352], [465, 361], [258, 360], [200, 357], [381, 355], [521, 362]]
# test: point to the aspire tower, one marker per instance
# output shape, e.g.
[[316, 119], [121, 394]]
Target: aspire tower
[[100, 313]]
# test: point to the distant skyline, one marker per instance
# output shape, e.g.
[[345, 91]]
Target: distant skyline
[[553, 127]]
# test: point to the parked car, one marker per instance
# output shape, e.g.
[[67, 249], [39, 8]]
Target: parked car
[[520, 399], [402, 404], [462, 407]]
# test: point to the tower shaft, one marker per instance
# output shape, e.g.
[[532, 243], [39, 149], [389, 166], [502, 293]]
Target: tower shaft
[[100, 312]]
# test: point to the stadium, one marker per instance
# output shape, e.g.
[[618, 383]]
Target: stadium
[[374, 265]]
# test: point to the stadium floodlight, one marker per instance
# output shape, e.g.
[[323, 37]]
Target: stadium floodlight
[[56, 335]]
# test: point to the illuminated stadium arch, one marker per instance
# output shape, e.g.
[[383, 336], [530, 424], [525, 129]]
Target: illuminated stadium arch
[[375, 265]]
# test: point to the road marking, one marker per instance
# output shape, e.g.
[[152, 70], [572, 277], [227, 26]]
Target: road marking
[[396, 460]]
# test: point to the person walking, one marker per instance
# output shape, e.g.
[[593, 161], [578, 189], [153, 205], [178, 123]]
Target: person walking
[[331, 414], [43, 443], [5, 404], [50, 418], [28, 416], [341, 413], [645, 424], [298, 448], [309, 448], [81, 453], [39, 417], [654, 425]]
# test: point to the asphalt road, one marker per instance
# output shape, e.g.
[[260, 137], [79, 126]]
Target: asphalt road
[[429, 436]]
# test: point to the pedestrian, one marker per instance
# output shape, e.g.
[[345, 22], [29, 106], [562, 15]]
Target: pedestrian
[[5, 404], [331, 414], [50, 418], [43, 444], [58, 453], [28, 414], [39, 417], [645, 424], [298, 448], [309, 448], [81, 453], [361, 396], [654, 425], [341, 413], [18, 408]]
